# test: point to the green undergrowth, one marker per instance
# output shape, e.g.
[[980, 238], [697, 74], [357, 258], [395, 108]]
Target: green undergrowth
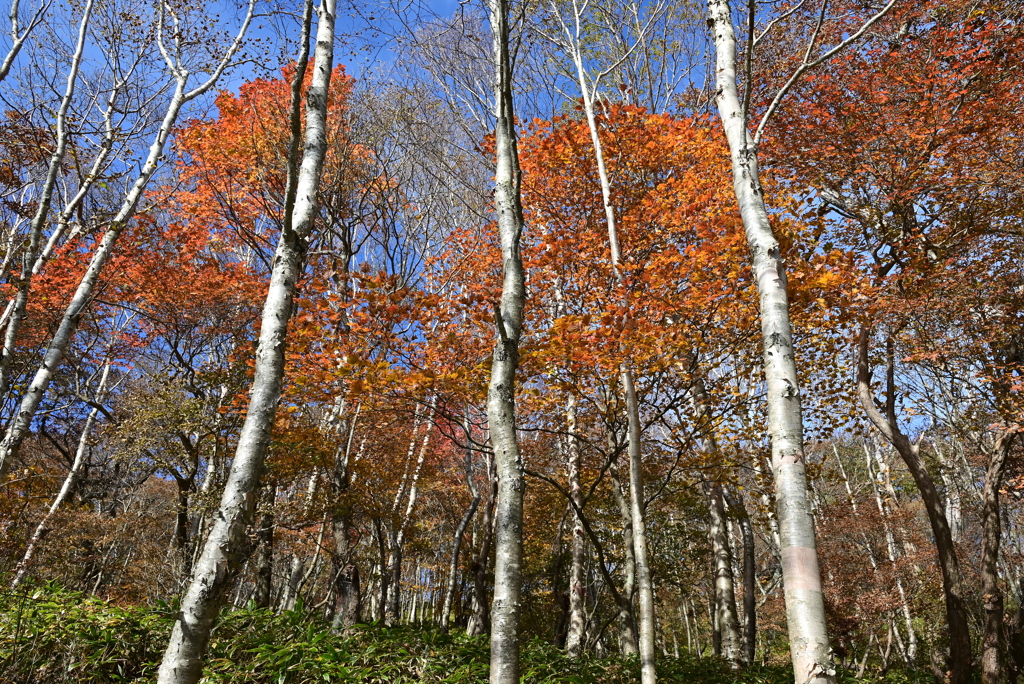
[[52, 636]]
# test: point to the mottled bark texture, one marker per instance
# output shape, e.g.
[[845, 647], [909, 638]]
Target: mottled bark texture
[[805, 606], [501, 407], [993, 665], [577, 581], [217, 564]]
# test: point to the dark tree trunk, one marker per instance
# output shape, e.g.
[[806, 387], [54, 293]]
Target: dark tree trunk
[[993, 665], [960, 656], [264, 564]]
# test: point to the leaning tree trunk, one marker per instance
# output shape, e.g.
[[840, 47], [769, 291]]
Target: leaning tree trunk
[[183, 660], [69, 483], [18, 428], [501, 407], [960, 655], [805, 605], [39, 220]]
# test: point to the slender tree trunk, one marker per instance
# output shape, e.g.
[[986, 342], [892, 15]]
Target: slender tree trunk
[[290, 595], [993, 667], [264, 561], [43, 207], [890, 543], [805, 605], [577, 590], [392, 612], [624, 604], [460, 531], [480, 620], [501, 410], [68, 486], [960, 655], [18, 427], [735, 500], [645, 586], [725, 594], [183, 660]]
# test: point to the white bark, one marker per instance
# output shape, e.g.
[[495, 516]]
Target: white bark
[[577, 590], [67, 487], [501, 408], [19, 426], [19, 35], [645, 594], [182, 661], [43, 209], [460, 531], [391, 614], [805, 607]]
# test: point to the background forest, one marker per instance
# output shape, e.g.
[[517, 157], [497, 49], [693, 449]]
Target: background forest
[[543, 323]]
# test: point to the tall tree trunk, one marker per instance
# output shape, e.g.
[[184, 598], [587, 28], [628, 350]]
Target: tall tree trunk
[[460, 531], [18, 428], [264, 561], [480, 619], [392, 612], [960, 656], [39, 220], [501, 408], [993, 666], [805, 605], [624, 604], [183, 660], [347, 596], [577, 589], [890, 544]]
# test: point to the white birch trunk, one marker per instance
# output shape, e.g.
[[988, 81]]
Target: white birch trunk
[[645, 593], [501, 407], [183, 660], [19, 425], [805, 607], [19, 35], [66, 488], [577, 592], [35, 231]]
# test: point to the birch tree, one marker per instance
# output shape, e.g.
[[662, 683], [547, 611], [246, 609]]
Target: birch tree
[[501, 405], [805, 607], [183, 659], [20, 33], [169, 40]]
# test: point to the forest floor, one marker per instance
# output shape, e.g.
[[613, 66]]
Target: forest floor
[[52, 636]]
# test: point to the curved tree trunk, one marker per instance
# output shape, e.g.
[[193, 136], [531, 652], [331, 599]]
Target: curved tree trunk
[[960, 655]]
